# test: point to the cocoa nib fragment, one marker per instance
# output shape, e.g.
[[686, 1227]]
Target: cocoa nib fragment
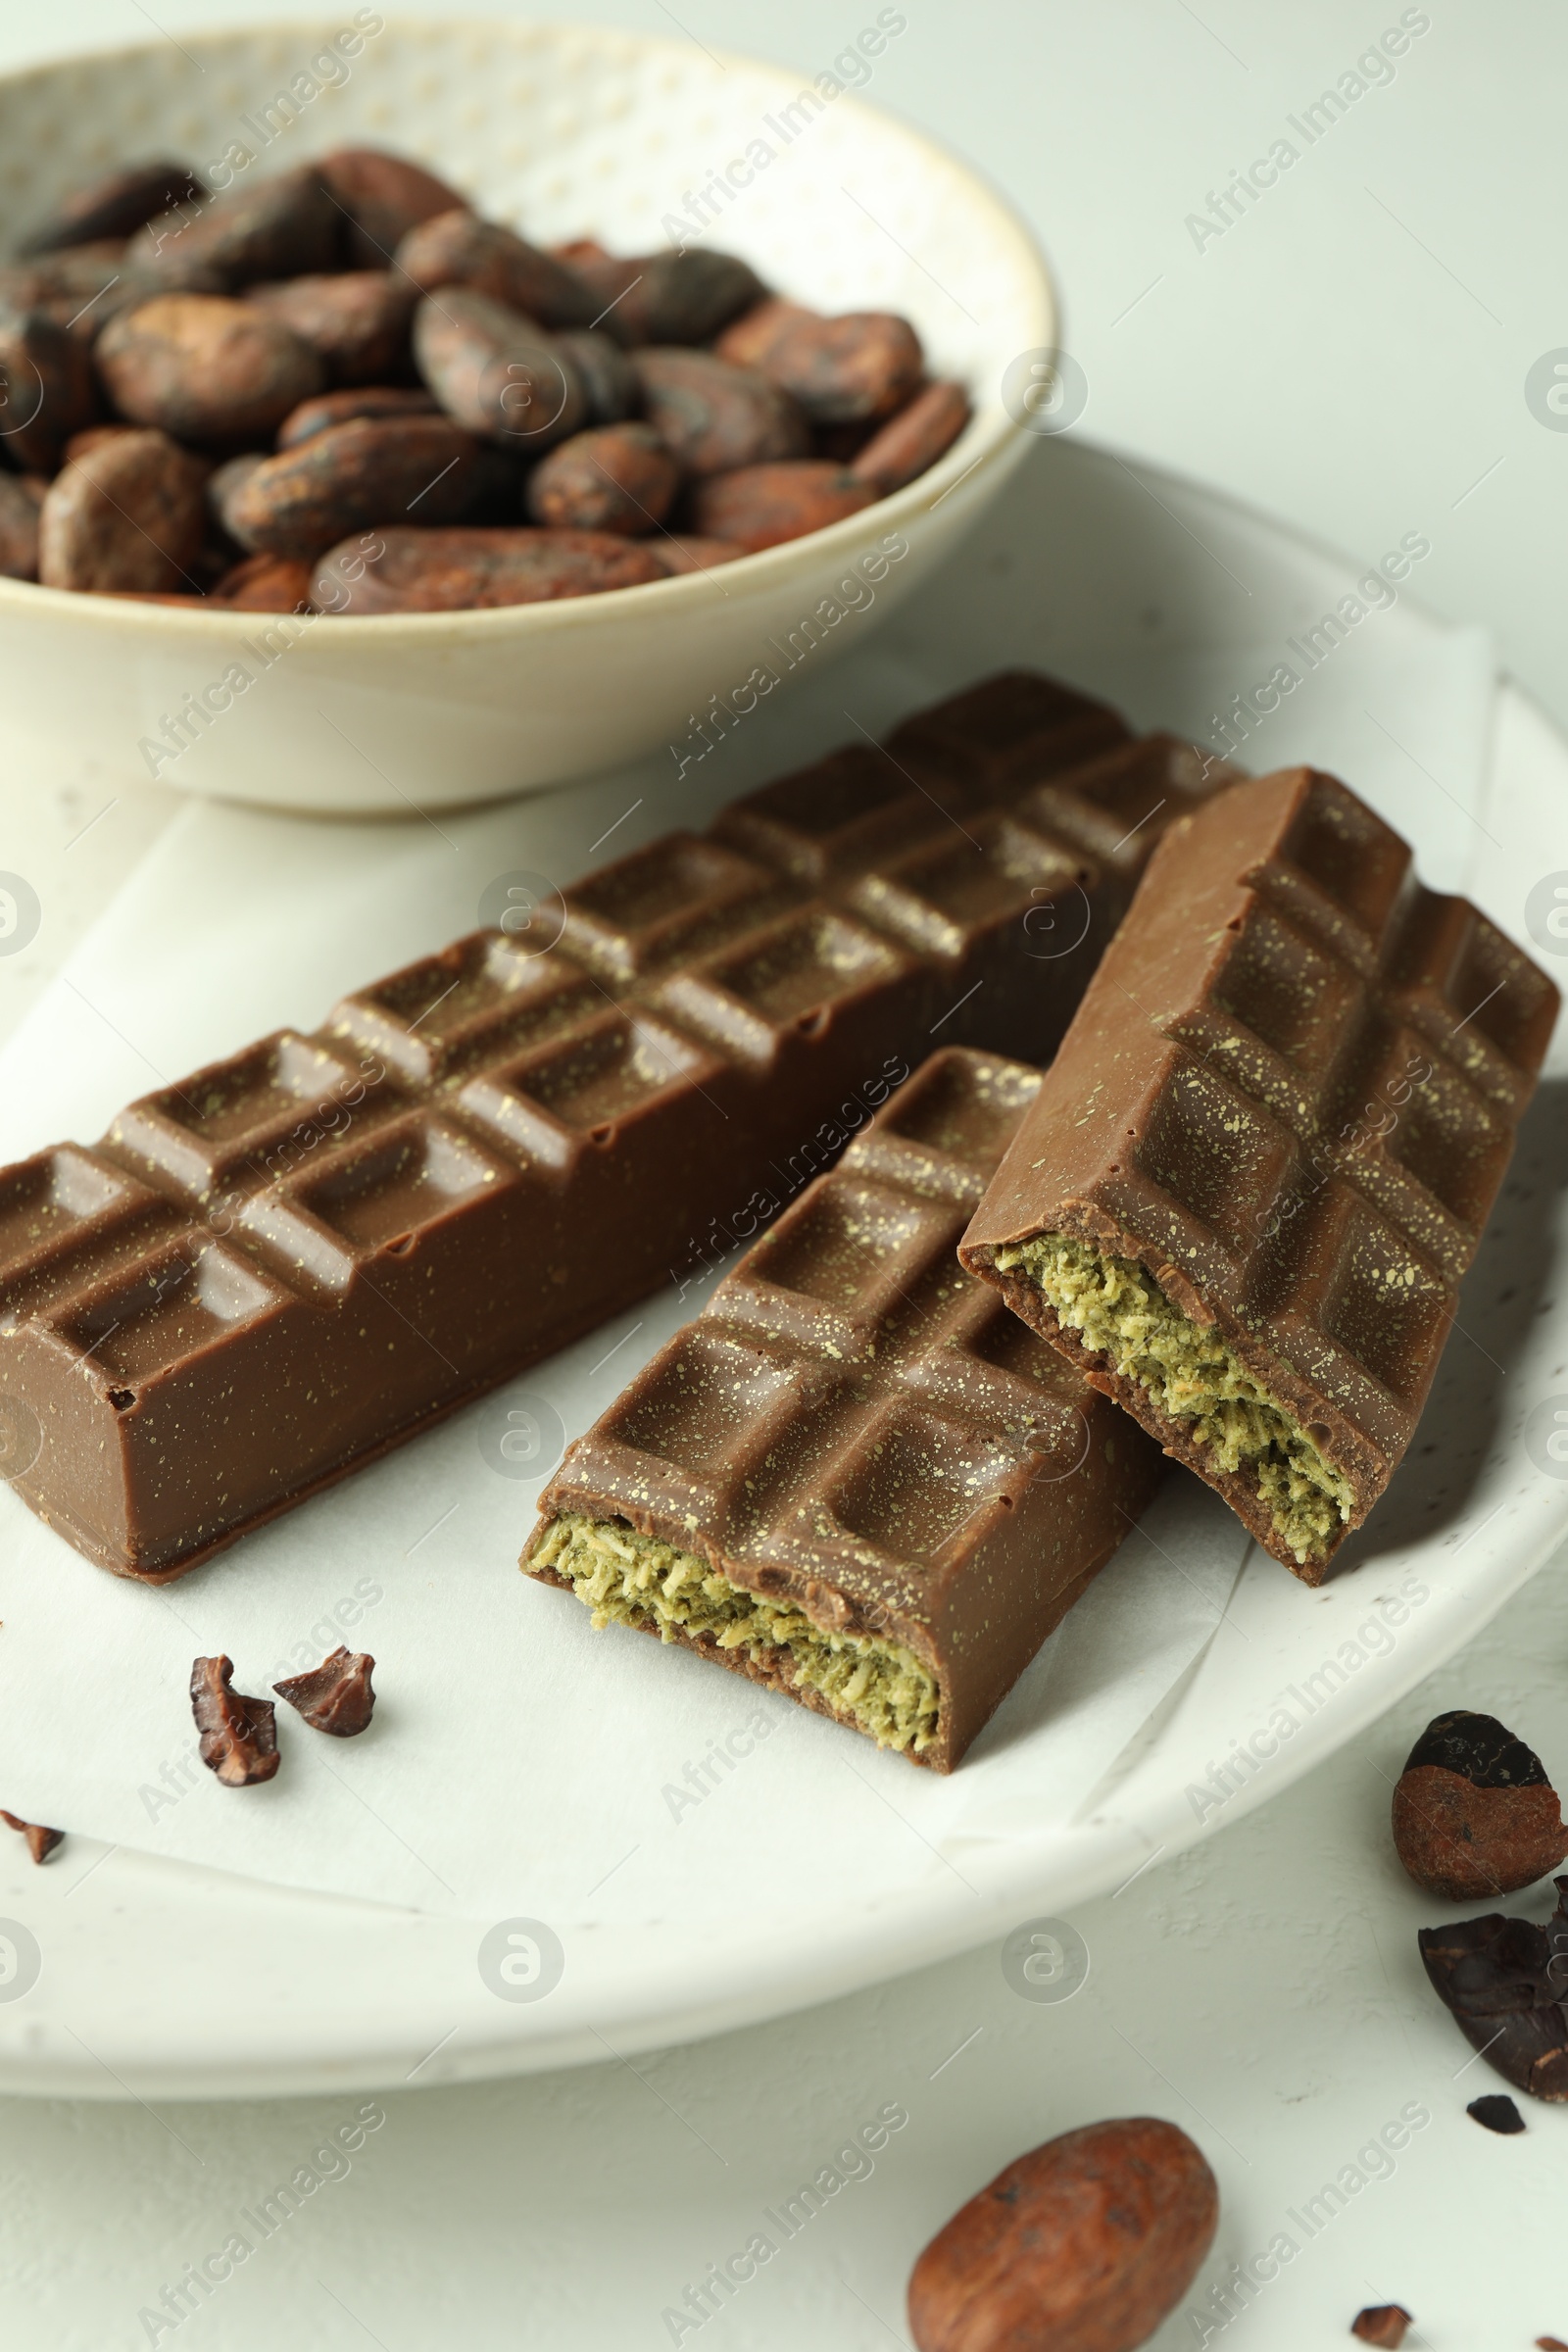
[[1473, 1813], [335, 1696], [238, 1734], [41, 1842], [1382, 2324], [1497, 2112], [1506, 1982]]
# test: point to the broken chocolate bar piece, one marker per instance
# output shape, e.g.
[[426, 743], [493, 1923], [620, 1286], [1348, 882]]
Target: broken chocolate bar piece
[[266, 1275], [1262, 1161], [335, 1696], [856, 1478]]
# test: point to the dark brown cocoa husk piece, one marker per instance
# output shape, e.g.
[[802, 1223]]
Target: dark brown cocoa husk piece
[[383, 196], [912, 440], [127, 514], [1496, 2112], [608, 381], [495, 372], [370, 471], [1382, 2324], [1084, 2245], [238, 1734], [619, 477], [265, 584], [1505, 1982], [665, 297], [335, 1696], [363, 400], [357, 320], [459, 249], [713, 416], [459, 570], [41, 1842], [114, 207], [205, 369], [268, 228], [19, 530], [761, 505], [681, 552], [1474, 1814], [46, 389], [853, 369]]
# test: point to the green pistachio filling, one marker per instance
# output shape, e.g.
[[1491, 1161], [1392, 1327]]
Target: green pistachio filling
[[1123, 1316], [630, 1579]]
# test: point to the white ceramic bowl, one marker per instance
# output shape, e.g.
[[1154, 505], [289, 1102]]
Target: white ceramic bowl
[[563, 131]]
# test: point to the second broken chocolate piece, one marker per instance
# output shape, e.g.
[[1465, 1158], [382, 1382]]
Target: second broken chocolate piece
[[1262, 1159], [335, 1696]]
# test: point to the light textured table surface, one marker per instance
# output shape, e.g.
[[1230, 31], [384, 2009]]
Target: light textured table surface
[[1351, 352]]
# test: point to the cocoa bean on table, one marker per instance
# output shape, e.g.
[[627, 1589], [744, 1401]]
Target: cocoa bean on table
[[357, 320], [459, 249], [363, 400], [382, 197], [619, 478], [842, 370], [367, 470], [127, 514], [495, 372], [46, 389], [454, 570], [761, 505], [912, 441], [205, 369], [19, 529], [712, 416], [609, 379], [113, 207], [263, 229]]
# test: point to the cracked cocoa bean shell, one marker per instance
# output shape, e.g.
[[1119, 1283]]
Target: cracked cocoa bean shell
[[912, 440], [858, 367], [761, 505], [1083, 2245], [364, 400], [370, 471], [1506, 1983], [712, 416], [382, 197], [336, 1696], [127, 514], [459, 249], [205, 369], [472, 570], [238, 1734], [619, 477], [1474, 1814], [357, 320], [19, 530], [46, 389], [114, 207], [495, 372], [266, 229]]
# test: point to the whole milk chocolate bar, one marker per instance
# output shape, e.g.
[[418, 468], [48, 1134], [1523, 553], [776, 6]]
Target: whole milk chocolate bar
[[269, 1273], [856, 1478], [1245, 1196]]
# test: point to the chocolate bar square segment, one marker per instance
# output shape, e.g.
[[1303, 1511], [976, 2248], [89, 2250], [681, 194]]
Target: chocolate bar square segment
[[834, 1482], [1008, 732], [1257, 1169]]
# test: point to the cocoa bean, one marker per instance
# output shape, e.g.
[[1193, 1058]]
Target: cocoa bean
[[84, 288], [619, 478], [357, 320], [459, 249], [365, 399], [462, 571], [713, 416], [114, 207], [1083, 2245], [761, 505], [46, 389], [19, 530], [265, 584], [666, 297], [608, 381], [861, 364], [337, 482], [226, 479], [273, 228], [680, 552], [383, 197], [205, 369], [495, 372], [1474, 1814], [913, 439], [1505, 1982], [128, 513]]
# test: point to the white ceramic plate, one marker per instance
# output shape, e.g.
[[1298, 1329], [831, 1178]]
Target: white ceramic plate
[[164, 1980], [563, 131]]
